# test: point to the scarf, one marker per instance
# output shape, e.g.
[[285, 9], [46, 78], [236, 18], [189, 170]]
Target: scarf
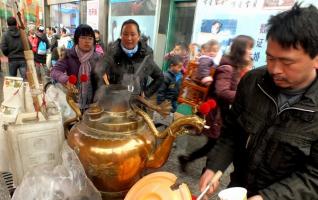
[[129, 52], [86, 90]]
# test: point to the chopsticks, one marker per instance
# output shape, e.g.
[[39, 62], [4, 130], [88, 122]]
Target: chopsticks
[[215, 178]]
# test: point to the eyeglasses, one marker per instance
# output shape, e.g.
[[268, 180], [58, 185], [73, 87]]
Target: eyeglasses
[[86, 38]]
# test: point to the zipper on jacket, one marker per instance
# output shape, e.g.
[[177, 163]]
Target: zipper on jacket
[[257, 139], [288, 108], [270, 97], [276, 106]]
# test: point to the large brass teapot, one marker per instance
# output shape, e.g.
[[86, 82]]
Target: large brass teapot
[[116, 140]]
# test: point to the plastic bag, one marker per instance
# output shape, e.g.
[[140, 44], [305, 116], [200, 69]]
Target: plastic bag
[[56, 93], [63, 182]]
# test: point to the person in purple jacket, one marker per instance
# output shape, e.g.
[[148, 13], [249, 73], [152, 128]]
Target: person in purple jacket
[[79, 61]]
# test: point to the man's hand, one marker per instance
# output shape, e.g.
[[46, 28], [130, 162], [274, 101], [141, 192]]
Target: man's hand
[[256, 197], [204, 181]]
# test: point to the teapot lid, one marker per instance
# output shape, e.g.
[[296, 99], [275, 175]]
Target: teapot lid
[[97, 122], [111, 116], [157, 186]]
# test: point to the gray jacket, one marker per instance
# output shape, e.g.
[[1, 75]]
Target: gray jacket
[[275, 154]]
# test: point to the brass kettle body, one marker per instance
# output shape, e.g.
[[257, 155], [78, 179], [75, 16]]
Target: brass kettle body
[[116, 142]]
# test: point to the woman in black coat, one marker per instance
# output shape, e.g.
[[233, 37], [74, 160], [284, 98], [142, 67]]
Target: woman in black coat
[[129, 61]]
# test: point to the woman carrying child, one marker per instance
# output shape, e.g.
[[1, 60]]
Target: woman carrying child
[[223, 89]]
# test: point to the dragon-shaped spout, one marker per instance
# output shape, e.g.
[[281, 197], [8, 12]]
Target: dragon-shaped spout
[[178, 127]]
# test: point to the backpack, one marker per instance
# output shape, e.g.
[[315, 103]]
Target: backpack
[[69, 44], [42, 48]]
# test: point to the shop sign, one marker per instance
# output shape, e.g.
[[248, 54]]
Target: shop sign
[[51, 2], [92, 13]]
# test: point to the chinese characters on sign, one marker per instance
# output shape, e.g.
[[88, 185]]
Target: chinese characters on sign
[[260, 42], [92, 13]]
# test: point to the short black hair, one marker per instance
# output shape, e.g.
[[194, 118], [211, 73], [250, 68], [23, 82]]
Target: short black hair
[[96, 31], [83, 30], [130, 21], [183, 46], [296, 27], [11, 21], [174, 60]]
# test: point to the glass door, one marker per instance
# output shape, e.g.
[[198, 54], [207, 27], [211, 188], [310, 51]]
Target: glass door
[[180, 24], [184, 23], [65, 16]]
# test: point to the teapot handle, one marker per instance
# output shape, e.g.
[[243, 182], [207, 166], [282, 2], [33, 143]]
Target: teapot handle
[[163, 109], [71, 102]]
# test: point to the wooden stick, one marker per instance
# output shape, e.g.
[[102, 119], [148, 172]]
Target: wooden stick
[[215, 178], [31, 72]]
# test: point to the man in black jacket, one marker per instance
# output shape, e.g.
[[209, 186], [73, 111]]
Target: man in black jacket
[[271, 132], [12, 47]]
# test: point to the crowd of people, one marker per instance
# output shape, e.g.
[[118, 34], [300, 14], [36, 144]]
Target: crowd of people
[[264, 121]]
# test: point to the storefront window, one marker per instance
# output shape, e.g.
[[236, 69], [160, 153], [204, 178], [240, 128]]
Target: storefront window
[[142, 11], [65, 15], [5, 12]]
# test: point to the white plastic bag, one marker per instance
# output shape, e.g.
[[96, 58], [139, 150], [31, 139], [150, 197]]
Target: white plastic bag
[[57, 94], [63, 182]]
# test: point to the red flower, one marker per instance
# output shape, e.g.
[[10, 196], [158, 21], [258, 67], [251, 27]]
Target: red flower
[[72, 79], [207, 106], [194, 197], [204, 108], [84, 78], [212, 103]]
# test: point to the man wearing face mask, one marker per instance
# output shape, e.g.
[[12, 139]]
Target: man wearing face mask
[[130, 62]]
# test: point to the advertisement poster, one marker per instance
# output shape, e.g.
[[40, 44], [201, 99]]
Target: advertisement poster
[[92, 13], [223, 20], [144, 12]]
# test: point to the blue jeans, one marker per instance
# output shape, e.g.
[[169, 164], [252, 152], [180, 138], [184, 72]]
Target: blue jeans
[[15, 65]]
